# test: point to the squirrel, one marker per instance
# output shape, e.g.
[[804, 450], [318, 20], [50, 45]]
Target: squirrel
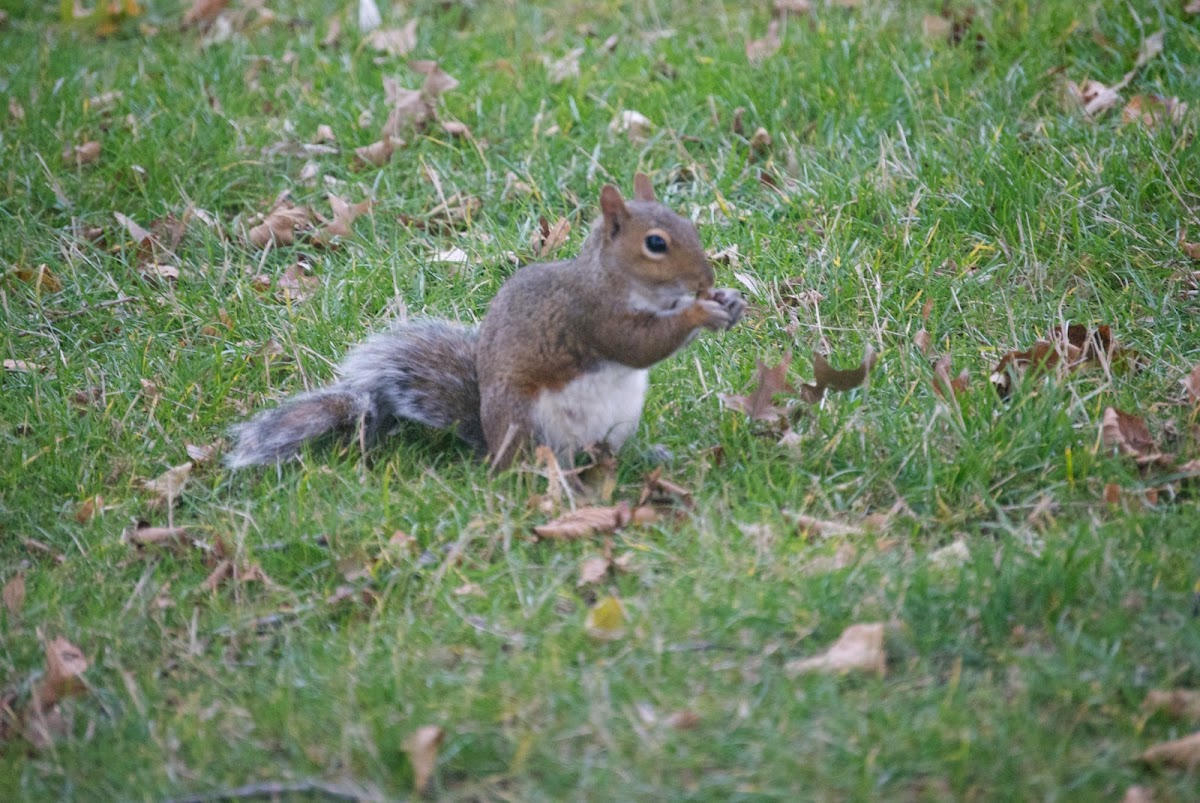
[[561, 358]]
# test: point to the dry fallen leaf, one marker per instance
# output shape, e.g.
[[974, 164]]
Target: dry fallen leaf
[[631, 123], [1176, 703], [220, 574], [1183, 753], [394, 41], [810, 526], [14, 594], [203, 13], [422, 749], [682, 720], [80, 155], [454, 255], [759, 405], [563, 68], [1093, 97], [758, 50], [142, 534], [23, 367], [606, 620], [379, 153], [40, 277], [585, 521], [65, 663], [1153, 111], [281, 225], [943, 382], [198, 453], [549, 238], [1129, 435], [1138, 794], [828, 377], [1191, 385], [859, 648], [168, 485], [296, 285], [593, 570]]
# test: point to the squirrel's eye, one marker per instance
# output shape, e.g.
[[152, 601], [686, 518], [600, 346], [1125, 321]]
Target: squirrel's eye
[[655, 244]]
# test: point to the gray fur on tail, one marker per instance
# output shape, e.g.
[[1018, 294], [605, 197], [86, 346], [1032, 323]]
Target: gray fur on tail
[[422, 371]]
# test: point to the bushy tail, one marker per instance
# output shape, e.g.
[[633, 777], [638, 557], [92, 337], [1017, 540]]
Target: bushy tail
[[422, 371]]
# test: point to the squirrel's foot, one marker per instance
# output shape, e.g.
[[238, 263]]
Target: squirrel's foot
[[732, 302]]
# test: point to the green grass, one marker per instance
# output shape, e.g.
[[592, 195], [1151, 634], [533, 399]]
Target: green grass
[[910, 170]]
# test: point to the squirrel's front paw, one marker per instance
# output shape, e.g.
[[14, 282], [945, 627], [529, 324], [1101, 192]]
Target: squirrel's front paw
[[713, 314], [732, 302]]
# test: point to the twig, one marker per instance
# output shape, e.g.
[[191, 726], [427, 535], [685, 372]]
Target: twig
[[86, 308], [271, 789]]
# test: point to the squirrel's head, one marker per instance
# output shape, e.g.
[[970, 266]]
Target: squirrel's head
[[649, 243]]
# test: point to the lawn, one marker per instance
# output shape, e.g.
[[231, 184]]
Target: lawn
[[914, 178]]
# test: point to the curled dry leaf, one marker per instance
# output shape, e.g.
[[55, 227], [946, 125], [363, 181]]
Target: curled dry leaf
[[809, 526], [561, 69], [220, 574], [829, 377], [1191, 385], [1129, 435], [379, 153], [394, 41], [1070, 346], [759, 50], [943, 384], [632, 123], [203, 13], [923, 341], [771, 381], [41, 278], [200, 454], [65, 665], [281, 225], [549, 238], [1153, 111], [23, 367], [80, 155], [728, 256], [1093, 97], [142, 534], [437, 81], [422, 749], [593, 570], [168, 485], [14, 594], [1176, 703], [296, 284], [606, 620], [657, 489], [858, 649], [1183, 753], [585, 521], [456, 129]]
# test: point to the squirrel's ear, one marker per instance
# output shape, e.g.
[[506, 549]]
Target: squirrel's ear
[[642, 189], [613, 207]]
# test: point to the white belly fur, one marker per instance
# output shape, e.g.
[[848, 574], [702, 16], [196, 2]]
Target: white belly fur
[[603, 405]]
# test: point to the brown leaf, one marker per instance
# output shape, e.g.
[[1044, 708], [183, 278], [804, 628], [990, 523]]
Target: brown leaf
[[1138, 794], [936, 27], [16, 111], [657, 489], [1184, 753], [684, 720], [1129, 435], [200, 454], [725, 256], [859, 648], [809, 526], [456, 129], [585, 521], [1175, 703], [89, 508], [168, 485], [65, 663], [593, 570], [923, 341], [422, 749], [437, 81], [142, 534], [1191, 384], [217, 576], [1071, 346], [758, 50], [942, 380], [203, 13], [410, 109], [23, 367], [549, 238], [771, 381], [14, 595], [281, 225], [40, 277], [80, 155], [561, 69], [848, 379], [632, 123], [394, 41], [377, 154], [1153, 111], [296, 284], [1093, 97]]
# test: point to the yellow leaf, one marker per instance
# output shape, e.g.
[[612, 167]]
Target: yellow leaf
[[606, 620]]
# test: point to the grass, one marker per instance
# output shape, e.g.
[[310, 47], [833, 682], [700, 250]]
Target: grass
[[910, 170]]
